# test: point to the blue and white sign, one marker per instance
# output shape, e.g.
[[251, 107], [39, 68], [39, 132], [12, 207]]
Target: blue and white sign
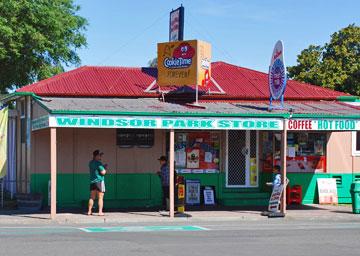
[[277, 72]]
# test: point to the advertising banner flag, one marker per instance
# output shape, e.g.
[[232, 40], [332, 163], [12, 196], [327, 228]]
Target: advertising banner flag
[[184, 63], [3, 139], [277, 72]]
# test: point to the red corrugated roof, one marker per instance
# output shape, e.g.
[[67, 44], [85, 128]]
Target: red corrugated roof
[[237, 82]]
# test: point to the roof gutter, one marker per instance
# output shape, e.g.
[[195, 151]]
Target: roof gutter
[[348, 99], [175, 114], [16, 95]]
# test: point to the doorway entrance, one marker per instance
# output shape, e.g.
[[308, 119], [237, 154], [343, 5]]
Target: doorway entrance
[[242, 160]]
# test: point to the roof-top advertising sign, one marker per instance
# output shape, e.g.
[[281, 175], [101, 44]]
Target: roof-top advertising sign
[[176, 26], [277, 72], [184, 63]]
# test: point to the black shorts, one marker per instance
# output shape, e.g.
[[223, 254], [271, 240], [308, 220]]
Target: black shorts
[[98, 186]]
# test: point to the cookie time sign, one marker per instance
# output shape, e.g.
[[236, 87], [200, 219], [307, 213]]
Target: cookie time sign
[[184, 63], [323, 124]]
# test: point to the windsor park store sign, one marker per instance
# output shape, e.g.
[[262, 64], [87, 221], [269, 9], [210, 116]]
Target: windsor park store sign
[[200, 123], [167, 123]]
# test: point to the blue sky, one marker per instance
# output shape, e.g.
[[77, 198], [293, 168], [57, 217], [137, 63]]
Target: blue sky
[[125, 33]]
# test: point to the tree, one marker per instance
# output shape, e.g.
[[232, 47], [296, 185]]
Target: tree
[[336, 65], [153, 63], [38, 38]]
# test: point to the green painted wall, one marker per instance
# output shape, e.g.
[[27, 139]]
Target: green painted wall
[[144, 190], [310, 190], [122, 190]]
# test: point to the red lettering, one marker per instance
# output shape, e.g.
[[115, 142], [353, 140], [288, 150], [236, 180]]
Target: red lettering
[[300, 125], [290, 124]]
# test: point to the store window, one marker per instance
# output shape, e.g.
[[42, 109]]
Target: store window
[[356, 143], [127, 138], [197, 152], [306, 152]]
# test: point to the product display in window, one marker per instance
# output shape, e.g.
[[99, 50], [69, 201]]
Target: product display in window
[[197, 152], [306, 152]]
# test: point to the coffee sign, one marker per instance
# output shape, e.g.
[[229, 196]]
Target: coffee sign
[[184, 63]]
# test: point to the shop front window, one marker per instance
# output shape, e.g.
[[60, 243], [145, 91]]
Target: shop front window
[[306, 152], [197, 152]]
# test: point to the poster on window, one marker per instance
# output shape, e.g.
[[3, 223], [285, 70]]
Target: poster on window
[[192, 192], [180, 159], [309, 164], [193, 158]]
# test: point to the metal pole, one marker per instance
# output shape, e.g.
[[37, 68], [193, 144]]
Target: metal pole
[[18, 153], [283, 166], [171, 183], [197, 95], [28, 144], [53, 172]]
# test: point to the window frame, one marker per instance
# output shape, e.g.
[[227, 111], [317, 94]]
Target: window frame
[[353, 144]]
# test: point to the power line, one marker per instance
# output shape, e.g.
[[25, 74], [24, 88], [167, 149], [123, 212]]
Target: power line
[[211, 38], [132, 39]]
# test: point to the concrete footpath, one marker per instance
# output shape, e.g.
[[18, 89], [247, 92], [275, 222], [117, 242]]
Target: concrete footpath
[[301, 213]]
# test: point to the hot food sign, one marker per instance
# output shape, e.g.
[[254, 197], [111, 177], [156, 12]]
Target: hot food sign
[[184, 63]]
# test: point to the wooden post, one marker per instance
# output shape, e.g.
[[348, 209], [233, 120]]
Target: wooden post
[[283, 165], [53, 172], [172, 167]]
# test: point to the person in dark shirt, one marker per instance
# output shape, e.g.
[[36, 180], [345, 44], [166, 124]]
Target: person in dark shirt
[[164, 175], [97, 182]]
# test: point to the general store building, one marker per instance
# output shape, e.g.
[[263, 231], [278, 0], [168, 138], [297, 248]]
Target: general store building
[[230, 143]]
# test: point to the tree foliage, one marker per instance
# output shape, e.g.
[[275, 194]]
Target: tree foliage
[[336, 65], [38, 38], [153, 63]]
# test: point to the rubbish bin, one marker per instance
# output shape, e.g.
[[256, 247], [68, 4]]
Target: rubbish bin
[[355, 196]]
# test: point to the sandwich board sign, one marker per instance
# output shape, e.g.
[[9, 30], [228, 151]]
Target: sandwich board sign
[[275, 198], [327, 191], [192, 192], [209, 196]]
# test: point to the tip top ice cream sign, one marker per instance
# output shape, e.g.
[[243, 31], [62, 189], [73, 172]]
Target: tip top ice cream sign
[[277, 72]]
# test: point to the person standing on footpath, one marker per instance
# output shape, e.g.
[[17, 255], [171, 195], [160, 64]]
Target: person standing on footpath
[[97, 182], [165, 178]]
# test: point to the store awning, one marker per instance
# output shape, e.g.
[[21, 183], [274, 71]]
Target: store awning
[[153, 113]]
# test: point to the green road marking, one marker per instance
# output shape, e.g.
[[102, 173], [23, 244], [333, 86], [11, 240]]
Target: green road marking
[[142, 229]]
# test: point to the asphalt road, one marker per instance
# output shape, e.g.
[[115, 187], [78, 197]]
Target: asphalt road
[[268, 237]]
